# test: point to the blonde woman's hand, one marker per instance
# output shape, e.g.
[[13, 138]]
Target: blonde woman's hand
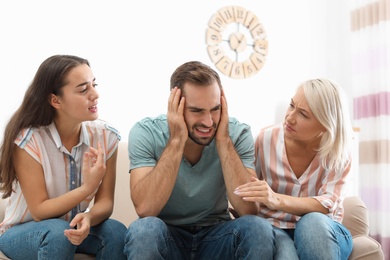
[[80, 226], [259, 191]]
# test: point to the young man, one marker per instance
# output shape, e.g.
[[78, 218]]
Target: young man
[[185, 166]]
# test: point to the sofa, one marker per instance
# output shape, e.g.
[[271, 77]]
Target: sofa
[[356, 219]]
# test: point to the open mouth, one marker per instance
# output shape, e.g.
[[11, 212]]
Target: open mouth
[[93, 108], [204, 131]]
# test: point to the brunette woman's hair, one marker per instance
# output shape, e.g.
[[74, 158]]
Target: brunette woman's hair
[[34, 111]]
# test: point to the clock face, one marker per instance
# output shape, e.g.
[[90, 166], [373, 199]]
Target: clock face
[[236, 42]]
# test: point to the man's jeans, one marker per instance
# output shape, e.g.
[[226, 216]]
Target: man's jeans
[[248, 237]]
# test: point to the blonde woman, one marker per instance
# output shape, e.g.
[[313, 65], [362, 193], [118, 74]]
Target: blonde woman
[[302, 164]]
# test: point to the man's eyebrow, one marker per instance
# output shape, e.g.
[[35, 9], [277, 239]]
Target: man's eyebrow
[[216, 107], [201, 109], [195, 108]]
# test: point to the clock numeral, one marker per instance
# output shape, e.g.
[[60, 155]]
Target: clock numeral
[[261, 46], [251, 21], [239, 14], [249, 68], [225, 65], [257, 59], [237, 71], [217, 23], [258, 32], [216, 53], [213, 37], [227, 14]]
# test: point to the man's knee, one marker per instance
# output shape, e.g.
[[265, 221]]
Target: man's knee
[[254, 226], [145, 227]]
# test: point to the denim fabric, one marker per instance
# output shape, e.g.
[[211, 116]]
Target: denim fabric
[[316, 236], [248, 237], [105, 240], [285, 246], [46, 240]]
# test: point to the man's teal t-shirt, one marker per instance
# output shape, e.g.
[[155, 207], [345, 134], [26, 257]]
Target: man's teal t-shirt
[[199, 196]]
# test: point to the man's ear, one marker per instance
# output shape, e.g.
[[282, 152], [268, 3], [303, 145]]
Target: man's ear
[[54, 101]]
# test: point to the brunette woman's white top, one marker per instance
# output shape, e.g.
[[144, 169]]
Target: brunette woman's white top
[[61, 168]]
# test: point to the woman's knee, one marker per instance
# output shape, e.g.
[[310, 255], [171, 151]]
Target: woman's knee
[[55, 224], [53, 241], [313, 222], [314, 228], [53, 229], [111, 229]]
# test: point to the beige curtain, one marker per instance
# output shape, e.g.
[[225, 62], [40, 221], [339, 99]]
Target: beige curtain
[[370, 46]]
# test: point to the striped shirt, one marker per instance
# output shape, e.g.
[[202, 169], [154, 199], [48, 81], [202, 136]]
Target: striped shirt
[[61, 168], [273, 166]]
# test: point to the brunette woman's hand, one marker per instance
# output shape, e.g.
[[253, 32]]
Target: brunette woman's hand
[[94, 168], [82, 223], [259, 191]]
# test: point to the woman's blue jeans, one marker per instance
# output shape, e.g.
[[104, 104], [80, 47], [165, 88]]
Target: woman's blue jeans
[[316, 236], [248, 237], [46, 240]]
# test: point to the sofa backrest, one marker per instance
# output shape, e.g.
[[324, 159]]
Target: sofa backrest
[[123, 206], [3, 204]]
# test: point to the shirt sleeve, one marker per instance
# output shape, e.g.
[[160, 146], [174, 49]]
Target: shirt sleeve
[[140, 147], [331, 192], [113, 137], [243, 142], [25, 140]]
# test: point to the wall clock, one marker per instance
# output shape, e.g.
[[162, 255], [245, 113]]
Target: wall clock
[[236, 42]]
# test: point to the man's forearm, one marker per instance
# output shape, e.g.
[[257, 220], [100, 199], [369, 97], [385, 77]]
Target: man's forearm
[[152, 192], [235, 174]]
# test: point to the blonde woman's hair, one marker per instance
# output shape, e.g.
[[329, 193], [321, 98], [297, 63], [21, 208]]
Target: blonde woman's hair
[[329, 105]]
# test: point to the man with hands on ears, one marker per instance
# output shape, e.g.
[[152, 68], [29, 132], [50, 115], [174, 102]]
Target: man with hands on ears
[[184, 167]]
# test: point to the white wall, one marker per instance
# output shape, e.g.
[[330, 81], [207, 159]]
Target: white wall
[[134, 46]]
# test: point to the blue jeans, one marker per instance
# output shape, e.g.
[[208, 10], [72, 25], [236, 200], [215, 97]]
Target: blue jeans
[[46, 240], [248, 237], [316, 236]]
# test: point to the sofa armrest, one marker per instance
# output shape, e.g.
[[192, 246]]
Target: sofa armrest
[[366, 248], [355, 216]]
